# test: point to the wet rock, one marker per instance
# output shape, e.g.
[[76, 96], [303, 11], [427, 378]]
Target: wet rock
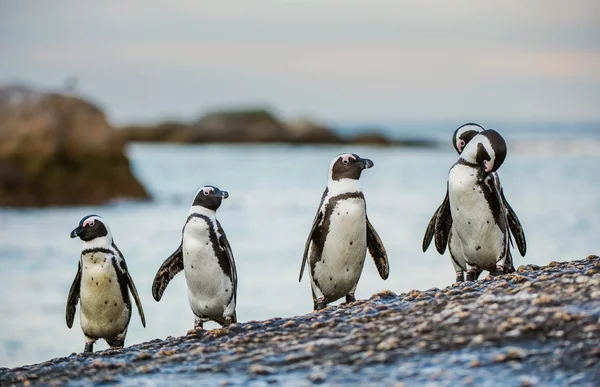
[[258, 369]]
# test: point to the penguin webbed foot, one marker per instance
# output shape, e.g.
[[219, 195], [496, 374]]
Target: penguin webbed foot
[[508, 268], [499, 271], [473, 274], [228, 321], [116, 343], [89, 347], [198, 324], [350, 298], [460, 277], [320, 304]]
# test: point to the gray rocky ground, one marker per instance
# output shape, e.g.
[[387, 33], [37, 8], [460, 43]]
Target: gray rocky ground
[[539, 326]]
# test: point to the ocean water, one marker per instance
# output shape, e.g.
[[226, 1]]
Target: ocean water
[[274, 193]]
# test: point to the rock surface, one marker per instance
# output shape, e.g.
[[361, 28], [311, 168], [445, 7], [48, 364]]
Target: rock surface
[[538, 326], [254, 126], [59, 150], [235, 126]]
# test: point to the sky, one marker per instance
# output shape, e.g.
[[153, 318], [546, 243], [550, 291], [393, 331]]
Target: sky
[[337, 61]]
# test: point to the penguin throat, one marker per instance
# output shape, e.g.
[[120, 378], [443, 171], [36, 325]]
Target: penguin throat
[[202, 211], [102, 242], [342, 186]]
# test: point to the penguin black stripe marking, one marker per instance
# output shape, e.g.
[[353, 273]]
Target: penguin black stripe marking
[[97, 250], [323, 229], [214, 243], [493, 200], [122, 280]]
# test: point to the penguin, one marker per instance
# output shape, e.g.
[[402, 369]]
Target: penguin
[[461, 137], [341, 234], [205, 256], [472, 220], [101, 286]]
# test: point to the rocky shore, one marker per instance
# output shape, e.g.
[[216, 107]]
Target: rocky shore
[[255, 126], [538, 326], [58, 149]]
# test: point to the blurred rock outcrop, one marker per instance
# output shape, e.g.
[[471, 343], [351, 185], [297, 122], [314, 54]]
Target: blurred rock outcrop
[[59, 150], [257, 126], [235, 126]]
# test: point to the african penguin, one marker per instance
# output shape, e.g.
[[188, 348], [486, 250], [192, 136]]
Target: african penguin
[[341, 234], [205, 257], [461, 137], [472, 220], [101, 286]]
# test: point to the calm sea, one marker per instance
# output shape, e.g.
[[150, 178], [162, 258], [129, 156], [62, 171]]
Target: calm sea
[[274, 193]]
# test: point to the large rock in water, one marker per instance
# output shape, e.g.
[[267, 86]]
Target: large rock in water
[[59, 150]]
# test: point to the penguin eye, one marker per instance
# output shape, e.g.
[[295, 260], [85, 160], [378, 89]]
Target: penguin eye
[[206, 193], [91, 224], [345, 161]]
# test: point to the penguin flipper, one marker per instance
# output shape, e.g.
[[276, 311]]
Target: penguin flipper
[[430, 230], [170, 267], [377, 251], [73, 297], [515, 225], [443, 224], [224, 243], [316, 222], [136, 297]]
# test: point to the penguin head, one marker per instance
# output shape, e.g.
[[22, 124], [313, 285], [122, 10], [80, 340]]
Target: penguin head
[[91, 227], [348, 166], [210, 197], [464, 134], [487, 150]]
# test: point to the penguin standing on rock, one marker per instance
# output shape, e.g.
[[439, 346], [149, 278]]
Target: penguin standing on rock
[[472, 219], [101, 286], [341, 234], [205, 257], [461, 137]]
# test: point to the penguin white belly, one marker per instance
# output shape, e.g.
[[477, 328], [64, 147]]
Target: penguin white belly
[[103, 312], [209, 289], [476, 237], [344, 250]]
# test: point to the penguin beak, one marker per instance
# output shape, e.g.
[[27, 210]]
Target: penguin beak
[[366, 163], [75, 233], [483, 175], [484, 171], [224, 194]]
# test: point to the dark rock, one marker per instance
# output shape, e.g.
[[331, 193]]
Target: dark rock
[[256, 126], [235, 126], [371, 138], [59, 150], [306, 131], [252, 125]]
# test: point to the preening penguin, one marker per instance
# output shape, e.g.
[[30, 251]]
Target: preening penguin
[[206, 258], [101, 287], [472, 219], [341, 234], [461, 137]]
